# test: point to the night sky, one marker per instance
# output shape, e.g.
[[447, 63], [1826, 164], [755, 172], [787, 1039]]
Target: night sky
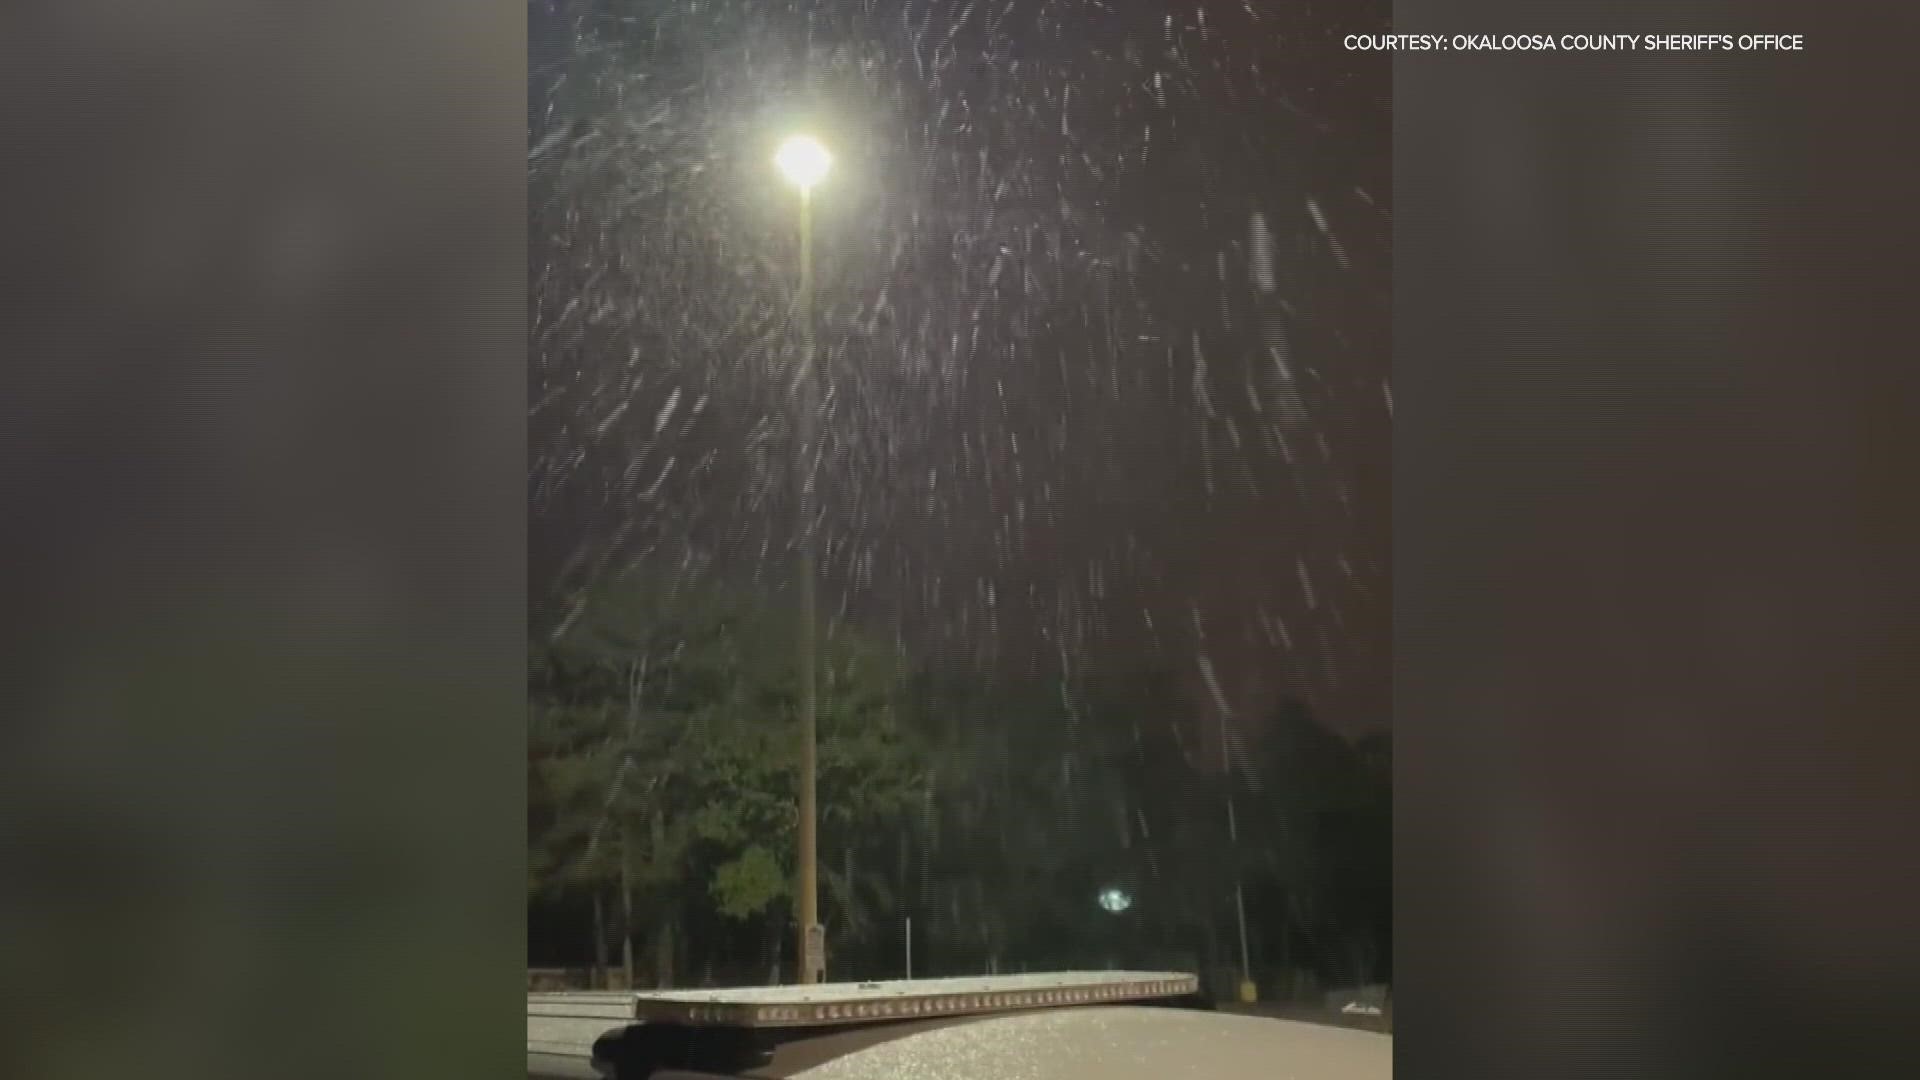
[[1102, 303]]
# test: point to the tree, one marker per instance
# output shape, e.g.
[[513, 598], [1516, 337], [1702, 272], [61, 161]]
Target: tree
[[663, 754], [1324, 811], [987, 859]]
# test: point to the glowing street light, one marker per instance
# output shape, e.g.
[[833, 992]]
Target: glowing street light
[[803, 161]]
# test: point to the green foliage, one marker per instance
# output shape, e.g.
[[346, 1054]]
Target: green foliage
[[663, 748], [664, 731], [748, 883]]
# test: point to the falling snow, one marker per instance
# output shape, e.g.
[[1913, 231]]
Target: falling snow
[[1035, 209]]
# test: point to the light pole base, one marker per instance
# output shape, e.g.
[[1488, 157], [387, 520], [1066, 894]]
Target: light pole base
[[814, 963]]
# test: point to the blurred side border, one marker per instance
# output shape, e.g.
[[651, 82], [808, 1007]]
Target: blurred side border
[[1654, 463], [262, 524]]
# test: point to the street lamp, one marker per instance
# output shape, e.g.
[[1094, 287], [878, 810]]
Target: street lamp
[[804, 162]]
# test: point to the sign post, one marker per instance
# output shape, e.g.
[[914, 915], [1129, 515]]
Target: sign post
[[815, 962]]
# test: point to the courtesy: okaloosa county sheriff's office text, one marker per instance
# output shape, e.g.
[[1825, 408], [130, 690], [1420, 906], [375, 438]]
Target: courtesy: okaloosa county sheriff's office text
[[1576, 42]]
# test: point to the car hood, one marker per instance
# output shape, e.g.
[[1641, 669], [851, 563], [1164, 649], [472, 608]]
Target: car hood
[[1121, 1043]]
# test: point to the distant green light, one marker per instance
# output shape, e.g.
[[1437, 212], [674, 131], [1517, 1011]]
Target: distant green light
[[1114, 901]]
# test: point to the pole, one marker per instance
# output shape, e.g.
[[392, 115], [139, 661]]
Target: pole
[[599, 941], [909, 946], [626, 908], [1247, 990], [1239, 900], [812, 945]]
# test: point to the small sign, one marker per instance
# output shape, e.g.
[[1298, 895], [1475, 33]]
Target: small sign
[[816, 958]]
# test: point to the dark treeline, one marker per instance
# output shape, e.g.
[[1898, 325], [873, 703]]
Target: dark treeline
[[995, 815]]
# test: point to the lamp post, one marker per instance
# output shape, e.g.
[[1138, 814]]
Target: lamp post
[[804, 162]]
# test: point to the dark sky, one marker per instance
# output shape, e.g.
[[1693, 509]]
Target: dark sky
[[1102, 304]]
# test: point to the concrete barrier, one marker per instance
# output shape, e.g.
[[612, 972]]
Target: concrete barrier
[[563, 1028]]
